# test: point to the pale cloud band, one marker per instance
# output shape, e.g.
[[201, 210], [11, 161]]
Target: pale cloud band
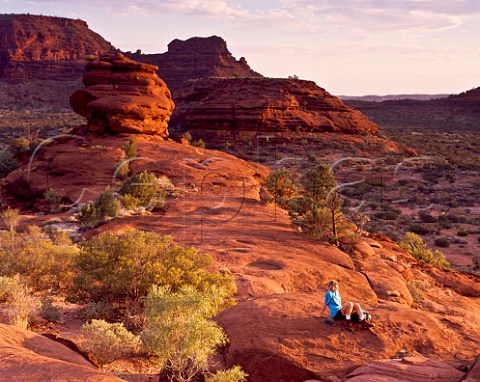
[[309, 14]]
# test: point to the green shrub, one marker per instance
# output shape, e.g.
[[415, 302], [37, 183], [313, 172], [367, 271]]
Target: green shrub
[[20, 144], [462, 232], [442, 242], [21, 305], [104, 310], [145, 189], [105, 205], [414, 245], [130, 148], [53, 198], [121, 169], [187, 136], [199, 143], [129, 202], [49, 311], [417, 289], [179, 328], [42, 263], [426, 217], [89, 216], [387, 215], [105, 342], [234, 374], [419, 229], [11, 217], [7, 163], [123, 267]]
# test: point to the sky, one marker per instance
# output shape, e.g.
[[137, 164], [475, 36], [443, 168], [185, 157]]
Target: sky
[[348, 47]]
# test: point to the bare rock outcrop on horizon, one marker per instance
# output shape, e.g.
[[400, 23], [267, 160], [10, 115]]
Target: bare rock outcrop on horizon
[[123, 96], [196, 57], [46, 47], [264, 105]]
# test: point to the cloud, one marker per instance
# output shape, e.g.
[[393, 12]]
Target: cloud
[[397, 15]]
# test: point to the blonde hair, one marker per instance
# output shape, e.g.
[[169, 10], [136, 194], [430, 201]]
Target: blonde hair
[[332, 283]]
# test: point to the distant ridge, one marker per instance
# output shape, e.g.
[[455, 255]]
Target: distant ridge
[[394, 97]]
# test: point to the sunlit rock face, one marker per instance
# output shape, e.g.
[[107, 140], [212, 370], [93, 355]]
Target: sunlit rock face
[[123, 96]]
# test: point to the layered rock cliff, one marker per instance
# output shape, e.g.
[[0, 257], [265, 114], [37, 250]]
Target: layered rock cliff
[[196, 57], [264, 105], [46, 48]]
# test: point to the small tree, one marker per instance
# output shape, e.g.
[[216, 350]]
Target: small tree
[[281, 185], [11, 217], [318, 211], [180, 331]]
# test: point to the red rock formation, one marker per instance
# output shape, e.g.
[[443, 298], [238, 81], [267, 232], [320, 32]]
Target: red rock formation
[[123, 96], [264, 105], [196, 57], [46, 48], [26, 356]]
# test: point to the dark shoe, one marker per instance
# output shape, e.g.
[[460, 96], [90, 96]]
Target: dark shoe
[[367, 325], [348, 325]]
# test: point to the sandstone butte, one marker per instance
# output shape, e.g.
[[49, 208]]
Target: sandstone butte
[[123, 96], [239, 105], [46, 48], [196, 57]]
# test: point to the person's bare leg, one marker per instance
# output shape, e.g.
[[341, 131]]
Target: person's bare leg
[[347, 310], [358, 309]]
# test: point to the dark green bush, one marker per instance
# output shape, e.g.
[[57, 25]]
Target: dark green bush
[[105, 205], [419, 229], [442, 242], [426, 217], [387, 215], [144, 190], [49, 311], [7, 163]]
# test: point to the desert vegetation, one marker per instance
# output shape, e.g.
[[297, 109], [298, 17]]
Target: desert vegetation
[[170, 288]]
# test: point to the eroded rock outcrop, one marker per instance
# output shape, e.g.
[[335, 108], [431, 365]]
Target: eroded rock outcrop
[[197, 57], [26, 356], [264, 105], [123, 96], [46, 48]]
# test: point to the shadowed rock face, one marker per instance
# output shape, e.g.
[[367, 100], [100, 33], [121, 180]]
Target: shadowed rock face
[[197, 57], [123, 96], [46, 48], [265, 105]]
